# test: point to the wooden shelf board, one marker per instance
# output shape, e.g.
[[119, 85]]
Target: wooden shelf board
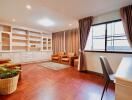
[[18, 40], [5, 45], [33, 32], [19, 48], [35, 37], [21, 35], [31, 41], [5, 32]]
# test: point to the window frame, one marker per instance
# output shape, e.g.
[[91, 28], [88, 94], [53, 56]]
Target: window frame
[[105, 51]]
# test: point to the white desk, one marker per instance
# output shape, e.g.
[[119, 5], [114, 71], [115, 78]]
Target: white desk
[[123, 88]]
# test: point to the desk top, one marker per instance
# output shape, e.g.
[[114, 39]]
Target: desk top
[[124, 71]]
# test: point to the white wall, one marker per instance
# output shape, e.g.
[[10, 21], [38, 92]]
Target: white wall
[[92, 62], [114, 15], [20, 57]]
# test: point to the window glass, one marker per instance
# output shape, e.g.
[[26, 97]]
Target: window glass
[[115, 40], [96, 38]]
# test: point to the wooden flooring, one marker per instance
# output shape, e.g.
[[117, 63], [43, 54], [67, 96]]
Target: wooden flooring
[[39, 83]]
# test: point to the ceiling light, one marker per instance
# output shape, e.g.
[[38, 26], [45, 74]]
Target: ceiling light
[[28, 7], [70, 24], [13, 20], [46, 22]]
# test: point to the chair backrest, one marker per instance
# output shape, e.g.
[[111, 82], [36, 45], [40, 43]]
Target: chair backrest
[[61, 53], [106, 68], [71, 54]]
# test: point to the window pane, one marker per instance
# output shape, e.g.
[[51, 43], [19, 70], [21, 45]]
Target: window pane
[[96, 38], [89, 41], [116, 38], [99, 44]]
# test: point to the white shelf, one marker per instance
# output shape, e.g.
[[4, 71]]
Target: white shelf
[[17, 39]]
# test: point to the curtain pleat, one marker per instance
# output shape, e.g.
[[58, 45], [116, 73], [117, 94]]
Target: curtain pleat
[[126, 16], [72, 41], [58, 42], [84, 27]]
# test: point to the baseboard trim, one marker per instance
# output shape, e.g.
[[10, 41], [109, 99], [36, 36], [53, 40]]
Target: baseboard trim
[[92, 72], [95, 73]]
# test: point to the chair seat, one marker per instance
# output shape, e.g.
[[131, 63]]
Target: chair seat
[[55, 58], [112, 77], [65, 59]]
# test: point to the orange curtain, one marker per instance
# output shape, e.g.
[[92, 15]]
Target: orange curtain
[[58, 42], [72, 41]]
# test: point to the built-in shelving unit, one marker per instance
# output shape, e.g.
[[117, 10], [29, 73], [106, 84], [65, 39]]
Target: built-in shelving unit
[[19, 39]]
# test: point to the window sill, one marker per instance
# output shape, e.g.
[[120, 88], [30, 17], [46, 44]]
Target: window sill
[[109, 52]]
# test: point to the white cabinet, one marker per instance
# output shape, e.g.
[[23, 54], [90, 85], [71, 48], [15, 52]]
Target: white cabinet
[[123, 88], [47, 44]]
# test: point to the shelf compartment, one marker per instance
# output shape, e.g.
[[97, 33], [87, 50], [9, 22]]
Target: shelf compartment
[[19, 48], [5, 28], [20, 35], [35, 42], [35, 37], [44, 48], [19, 44], [5, 48], [5, 41], [18, 40], [34, 49]]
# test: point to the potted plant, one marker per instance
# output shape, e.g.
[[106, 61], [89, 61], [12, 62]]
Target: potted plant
[[8, 79]]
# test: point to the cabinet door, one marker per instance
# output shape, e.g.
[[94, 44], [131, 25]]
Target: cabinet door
[[5, 39], [123, 92], [49, 44], [45, 43]]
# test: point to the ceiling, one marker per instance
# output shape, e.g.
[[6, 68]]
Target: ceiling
[[61, 12]]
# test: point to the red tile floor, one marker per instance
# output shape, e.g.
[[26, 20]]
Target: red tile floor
[[39, 83]]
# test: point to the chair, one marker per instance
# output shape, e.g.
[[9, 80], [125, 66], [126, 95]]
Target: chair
[[68, 58], [57, 57], [108, 73]]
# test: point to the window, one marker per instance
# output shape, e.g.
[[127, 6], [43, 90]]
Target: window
[[109, 37]]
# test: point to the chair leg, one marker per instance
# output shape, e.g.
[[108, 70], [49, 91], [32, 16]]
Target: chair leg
[[106, 84]]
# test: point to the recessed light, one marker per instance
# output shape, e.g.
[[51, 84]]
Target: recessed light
[[46, 22], [70, 24], [13, 20], [28, 7]]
